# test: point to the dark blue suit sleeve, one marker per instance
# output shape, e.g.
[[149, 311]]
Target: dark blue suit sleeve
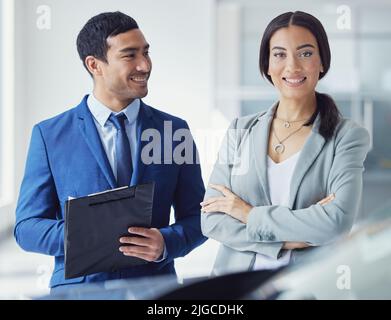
[[185, 234], [37, 228]]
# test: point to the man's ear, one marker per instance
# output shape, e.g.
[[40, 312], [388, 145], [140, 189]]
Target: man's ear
[[93, 65], [321, 68]]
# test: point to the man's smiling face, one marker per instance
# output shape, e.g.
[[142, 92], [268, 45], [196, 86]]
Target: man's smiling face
[[125, 74]]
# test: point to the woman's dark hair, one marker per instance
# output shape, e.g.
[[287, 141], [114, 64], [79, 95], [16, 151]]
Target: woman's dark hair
[[91, 40], [326, 107]]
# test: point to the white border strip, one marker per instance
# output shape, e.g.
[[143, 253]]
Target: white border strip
[[7, 104]]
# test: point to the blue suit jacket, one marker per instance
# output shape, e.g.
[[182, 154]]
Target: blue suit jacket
[[66, 158]]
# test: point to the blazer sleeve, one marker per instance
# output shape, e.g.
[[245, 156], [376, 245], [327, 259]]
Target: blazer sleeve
[[185, 234], [220, 226], [37, 228], [317, 224]]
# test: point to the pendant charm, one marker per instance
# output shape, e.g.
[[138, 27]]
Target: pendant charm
[[279, 148], [287, 124]]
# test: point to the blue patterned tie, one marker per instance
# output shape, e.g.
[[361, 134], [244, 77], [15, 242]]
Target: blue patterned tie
[[122, 150]]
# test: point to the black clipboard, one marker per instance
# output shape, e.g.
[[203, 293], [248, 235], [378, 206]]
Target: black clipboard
[[94, 224]]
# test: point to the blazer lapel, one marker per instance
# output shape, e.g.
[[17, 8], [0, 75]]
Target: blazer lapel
[[144, 121], [91, 136], [259, 137], [309, 153]]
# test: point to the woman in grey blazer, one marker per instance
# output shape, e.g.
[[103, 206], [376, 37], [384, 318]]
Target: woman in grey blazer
[[323, 154]]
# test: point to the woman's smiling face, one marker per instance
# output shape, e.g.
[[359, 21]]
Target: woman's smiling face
[[294, 62]]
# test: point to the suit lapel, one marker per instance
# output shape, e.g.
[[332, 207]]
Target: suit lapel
[[309, 153], [259, 137], [144, 121], [90, 135]]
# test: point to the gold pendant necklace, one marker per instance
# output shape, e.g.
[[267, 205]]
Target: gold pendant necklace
[[280, 147]]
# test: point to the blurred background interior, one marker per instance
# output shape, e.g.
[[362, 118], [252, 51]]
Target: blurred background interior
[[205, 69]]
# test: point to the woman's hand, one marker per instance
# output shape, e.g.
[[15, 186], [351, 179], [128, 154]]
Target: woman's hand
[[326, 200], [301, 245], [229, 203], [295, 245]]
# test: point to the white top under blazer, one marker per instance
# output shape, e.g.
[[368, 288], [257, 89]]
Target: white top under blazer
[[279, 178]]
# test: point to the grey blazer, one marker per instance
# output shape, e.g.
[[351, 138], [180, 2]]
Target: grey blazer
[[335, 166]]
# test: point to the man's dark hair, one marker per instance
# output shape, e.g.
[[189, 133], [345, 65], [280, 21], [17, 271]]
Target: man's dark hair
[[92, 39]]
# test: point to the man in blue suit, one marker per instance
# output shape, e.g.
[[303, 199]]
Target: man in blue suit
[[98, 145]]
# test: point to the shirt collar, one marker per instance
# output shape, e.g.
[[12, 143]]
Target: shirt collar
[[102, 113]]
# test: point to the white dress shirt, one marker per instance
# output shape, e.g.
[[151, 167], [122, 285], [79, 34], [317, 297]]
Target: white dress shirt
[[107, 131]]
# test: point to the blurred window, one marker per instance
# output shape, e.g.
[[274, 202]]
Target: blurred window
[[1, 105], [6, 102]]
